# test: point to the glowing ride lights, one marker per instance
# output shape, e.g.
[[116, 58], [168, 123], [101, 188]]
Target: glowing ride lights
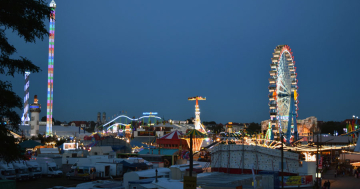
[[50, 71], [197, 123], [150, 113], [283, 95], [131, 119], [25, 118], [309, 156], [197, 139]]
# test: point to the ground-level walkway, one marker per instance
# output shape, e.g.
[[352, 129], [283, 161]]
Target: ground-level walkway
[[340, 182]]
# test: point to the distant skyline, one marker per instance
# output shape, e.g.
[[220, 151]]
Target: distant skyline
[[141, 56]]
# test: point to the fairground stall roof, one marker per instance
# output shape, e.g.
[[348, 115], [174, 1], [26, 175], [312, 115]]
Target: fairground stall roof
[[173, 135]]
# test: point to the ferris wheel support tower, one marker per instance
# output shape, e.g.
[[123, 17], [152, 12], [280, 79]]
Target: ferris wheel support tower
[[197, 111]]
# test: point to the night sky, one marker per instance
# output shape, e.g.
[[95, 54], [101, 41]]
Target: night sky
[[141, 56]]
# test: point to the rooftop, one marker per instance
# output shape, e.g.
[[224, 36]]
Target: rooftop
[[163, 151]]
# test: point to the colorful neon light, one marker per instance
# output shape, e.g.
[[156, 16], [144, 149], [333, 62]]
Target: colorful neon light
[[49, 111], [136, 119], [25, 117], [150, 113]]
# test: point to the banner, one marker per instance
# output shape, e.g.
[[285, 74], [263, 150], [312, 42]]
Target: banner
[[320, 162], [296, 181]]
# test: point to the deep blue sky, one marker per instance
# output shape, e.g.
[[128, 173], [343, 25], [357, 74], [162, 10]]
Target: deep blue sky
[[152, 55]]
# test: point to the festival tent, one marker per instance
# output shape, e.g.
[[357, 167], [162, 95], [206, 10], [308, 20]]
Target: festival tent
[[172, 141]]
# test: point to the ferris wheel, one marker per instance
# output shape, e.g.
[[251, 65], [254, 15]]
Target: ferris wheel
[[283, 87]]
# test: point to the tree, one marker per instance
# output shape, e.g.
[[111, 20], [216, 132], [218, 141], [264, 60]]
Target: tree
[[217, 129], [190, 120], [209, 123], [41, 138], [92, 127], [254, 127], [331, 126], [43, 118], [56, 122], [26, 18]]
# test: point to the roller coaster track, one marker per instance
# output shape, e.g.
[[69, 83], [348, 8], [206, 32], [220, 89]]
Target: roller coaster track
[[136, 119]]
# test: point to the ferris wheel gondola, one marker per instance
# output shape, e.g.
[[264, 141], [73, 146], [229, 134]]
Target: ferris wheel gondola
[[283, 95]]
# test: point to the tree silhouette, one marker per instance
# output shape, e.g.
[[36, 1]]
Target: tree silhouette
[[27, 19]]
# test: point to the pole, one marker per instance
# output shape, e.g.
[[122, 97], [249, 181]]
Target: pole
[[191, 155], [317, 161], [331, 154], [243, 155], [149, 138], [282, 159], [156, 171]]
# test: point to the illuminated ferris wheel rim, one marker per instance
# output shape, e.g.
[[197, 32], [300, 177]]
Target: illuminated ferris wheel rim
[[283, 85]]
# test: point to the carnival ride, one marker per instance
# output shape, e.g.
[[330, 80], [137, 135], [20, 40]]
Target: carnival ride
[[197, 139], [283, 95], [95, 138], [117, 121], [352, 128], [50, 90], [25, 118], [198, 125]]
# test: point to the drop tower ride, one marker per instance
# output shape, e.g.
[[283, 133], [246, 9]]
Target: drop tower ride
[[50, 91], [197, 111]]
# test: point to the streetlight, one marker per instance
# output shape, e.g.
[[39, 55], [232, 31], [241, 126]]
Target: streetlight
[[317, 161], [282, 159]]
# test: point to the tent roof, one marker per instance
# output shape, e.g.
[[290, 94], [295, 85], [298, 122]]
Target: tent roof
[[195, 132], [30, 144], [173, 135]]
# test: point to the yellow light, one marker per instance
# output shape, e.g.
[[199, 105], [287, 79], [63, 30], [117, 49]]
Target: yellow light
[[309, 157]]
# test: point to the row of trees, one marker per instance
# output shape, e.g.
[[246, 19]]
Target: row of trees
[[56, 122], [217, 128], [331, 126]]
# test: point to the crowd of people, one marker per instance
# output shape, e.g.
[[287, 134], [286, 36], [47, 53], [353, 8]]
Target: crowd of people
[[327, 185], [342, 170]]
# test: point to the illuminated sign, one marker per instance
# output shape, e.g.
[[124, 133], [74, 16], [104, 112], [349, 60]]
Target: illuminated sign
[[298, 181], [70, 146], [34, 106], [150, 113]]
